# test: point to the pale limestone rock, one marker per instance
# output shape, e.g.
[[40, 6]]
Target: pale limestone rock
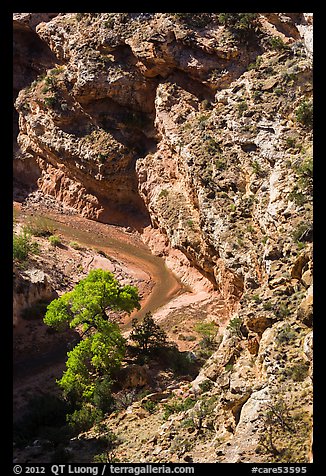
[[308, 346], [30, 287], [246, 435], [307, 278], [305, 309]]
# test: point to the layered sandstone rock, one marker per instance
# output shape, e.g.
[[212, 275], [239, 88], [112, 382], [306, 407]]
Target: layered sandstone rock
[[199, 133]]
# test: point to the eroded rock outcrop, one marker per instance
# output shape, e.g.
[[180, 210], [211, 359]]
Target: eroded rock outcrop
[[201, 132], [30, 287]]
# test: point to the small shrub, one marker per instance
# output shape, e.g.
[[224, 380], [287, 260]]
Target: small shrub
[[291, 143], [163, 193], [106, 457], [206, 347], [234, 326], [298, 372], [279, 91], [49, 81], [50, 101], [190, 223], [80, 16], [54, 240], [297, 197], [276, 418], [83, 419], [177, 407], [202, 119], [107, 440], [179, 362], [56, 71], [285, 335], [282, 311], [23, 246], [108, 23], [256, 64], [149, 406], [211, 145], [102, 158], [242, 107], [106, 437], [75, 245], [195, 20], [257, 94], [276, 43], [289, 78], [302, 232], [205, 104], [206, 385], [188, 338], [239, 21], [188, 423], [102, 396], [125, 398], [256, 298], [220, 164], [256, 167], [304, 113], [101, 457], [206, 328], [305, 174]]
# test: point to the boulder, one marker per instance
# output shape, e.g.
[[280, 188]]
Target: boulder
[[307, 278], [30, 287], [253, 345], [258, 323], [308, 346], [133, 376], [305, 309], [300, 262]]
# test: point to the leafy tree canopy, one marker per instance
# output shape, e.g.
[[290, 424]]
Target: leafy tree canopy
[[90, 301], [102, 347]]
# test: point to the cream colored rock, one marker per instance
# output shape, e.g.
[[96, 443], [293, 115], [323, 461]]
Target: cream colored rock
[[246, 435], [307, 278], [30, 287], [305, 310]]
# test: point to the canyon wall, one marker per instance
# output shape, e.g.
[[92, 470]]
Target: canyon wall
[[199, 133]]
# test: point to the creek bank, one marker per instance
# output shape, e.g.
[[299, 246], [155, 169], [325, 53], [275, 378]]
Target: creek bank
[[39, 353]]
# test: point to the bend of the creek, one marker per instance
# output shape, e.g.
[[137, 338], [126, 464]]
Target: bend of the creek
[[124, 247]]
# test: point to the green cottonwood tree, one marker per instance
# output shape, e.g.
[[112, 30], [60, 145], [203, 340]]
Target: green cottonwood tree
[[91, 362]]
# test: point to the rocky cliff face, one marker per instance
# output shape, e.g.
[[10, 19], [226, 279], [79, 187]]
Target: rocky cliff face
[[200, 131]]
